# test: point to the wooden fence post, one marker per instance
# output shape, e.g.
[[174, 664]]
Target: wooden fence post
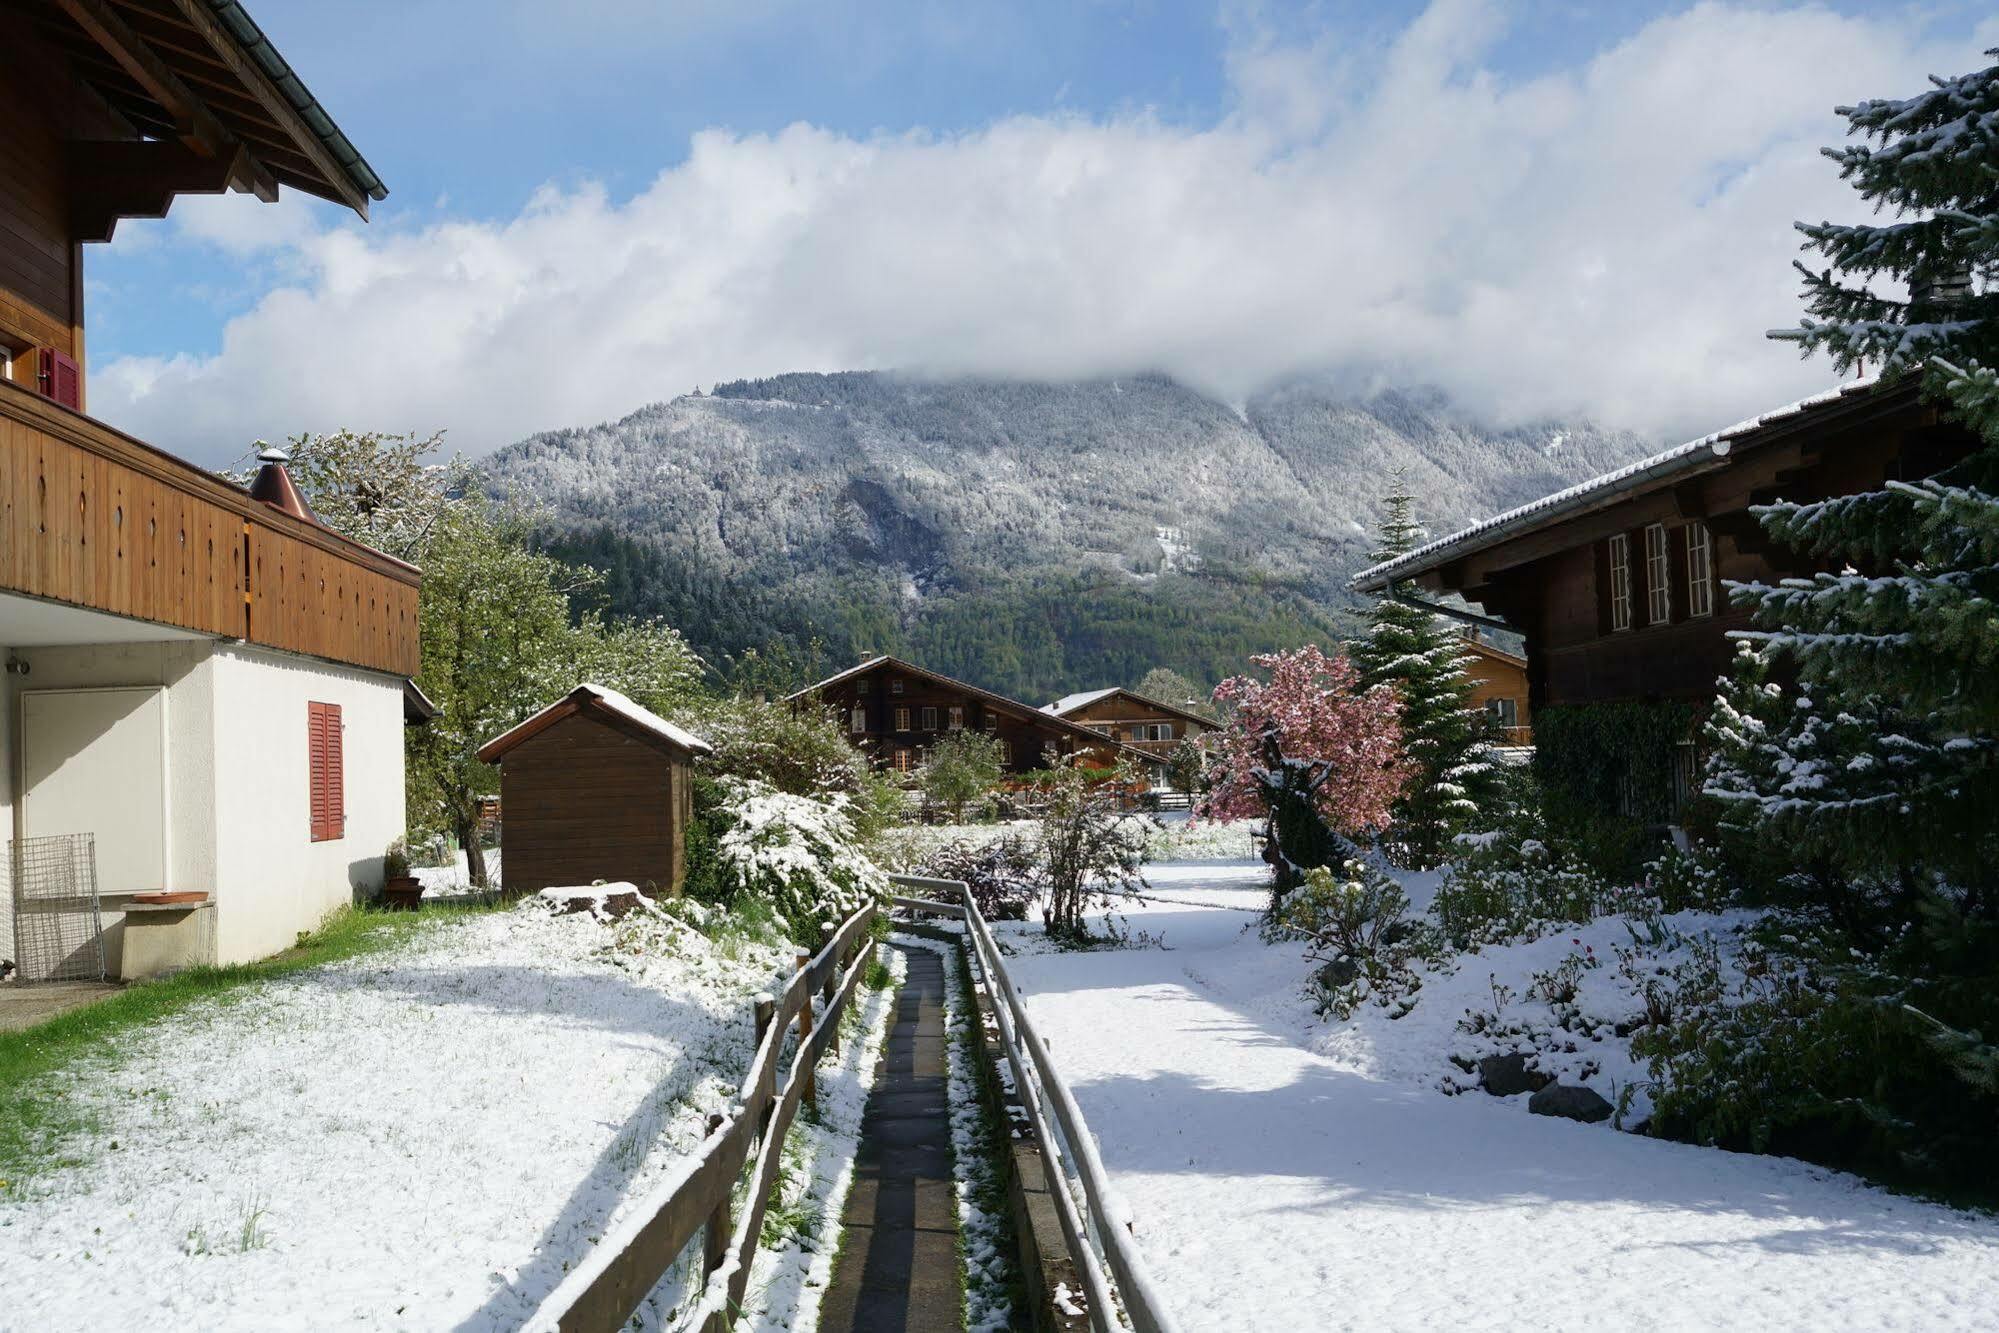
[[811, 1093], [715, 1244], [766, 1015], [826, 929]]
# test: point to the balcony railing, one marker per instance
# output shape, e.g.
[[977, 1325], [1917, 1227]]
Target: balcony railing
[[94, 518]]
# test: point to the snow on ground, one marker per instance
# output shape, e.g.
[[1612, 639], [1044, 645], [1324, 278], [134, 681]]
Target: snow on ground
[[455, 880], [420, 1138], [1173, 837], [1279, 1187]]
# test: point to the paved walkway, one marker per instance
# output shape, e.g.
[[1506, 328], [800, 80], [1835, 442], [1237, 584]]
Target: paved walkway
[[898, 1266], [24, 1006]]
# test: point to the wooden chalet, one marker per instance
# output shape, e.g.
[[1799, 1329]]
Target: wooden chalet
[[895, 711], [202, 678], [596, 787], [1499, 687], [1149, 726], [1617, 584]]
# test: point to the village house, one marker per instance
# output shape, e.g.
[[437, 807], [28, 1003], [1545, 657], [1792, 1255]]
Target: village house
[[1618, 584], [895, 711], [205, 688], [1499, 687], [1149, 726]]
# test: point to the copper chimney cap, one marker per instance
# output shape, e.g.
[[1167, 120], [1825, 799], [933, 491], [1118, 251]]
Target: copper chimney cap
[[274, 486]]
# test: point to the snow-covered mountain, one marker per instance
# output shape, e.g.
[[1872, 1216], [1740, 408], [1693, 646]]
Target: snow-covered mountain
[[1028, 535]]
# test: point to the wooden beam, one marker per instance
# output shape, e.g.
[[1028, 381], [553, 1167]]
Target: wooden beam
[[276, 104], [138, 178], [196, 124]]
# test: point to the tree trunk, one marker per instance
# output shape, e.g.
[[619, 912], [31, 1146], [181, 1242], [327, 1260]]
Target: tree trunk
[[475, 855]]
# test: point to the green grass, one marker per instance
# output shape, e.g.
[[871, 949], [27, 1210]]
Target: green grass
[[42, 1127]]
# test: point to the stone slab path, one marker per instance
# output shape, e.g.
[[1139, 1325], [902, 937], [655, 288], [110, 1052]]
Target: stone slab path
[[898, 1266]]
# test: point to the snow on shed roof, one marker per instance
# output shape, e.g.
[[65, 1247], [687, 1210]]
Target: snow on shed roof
[[601, 699], [1539, 513], [1069, 703]]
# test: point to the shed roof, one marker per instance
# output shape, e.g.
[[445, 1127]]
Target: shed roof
[[1069, 703], [1648, 473], [606, 703]]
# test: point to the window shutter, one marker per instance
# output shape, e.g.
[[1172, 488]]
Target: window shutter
[[326, 777], [61, 378]]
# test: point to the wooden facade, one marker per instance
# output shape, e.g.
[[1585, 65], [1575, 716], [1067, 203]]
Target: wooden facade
[[1618, 584], [1148, 726], [110, 109], [895, 711], [1499, 687], [94, 518], [595, 788]]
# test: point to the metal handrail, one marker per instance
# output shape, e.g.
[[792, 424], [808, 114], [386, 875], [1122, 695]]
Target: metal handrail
[[1098, 1226]]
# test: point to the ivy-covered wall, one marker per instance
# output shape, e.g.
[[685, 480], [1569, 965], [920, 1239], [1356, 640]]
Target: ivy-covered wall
[[1606, 773]]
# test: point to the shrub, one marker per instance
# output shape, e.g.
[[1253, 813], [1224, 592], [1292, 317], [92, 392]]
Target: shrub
[[1089, 851], [797, 853], [963, 769], [1508, 882], [1355, 923], [1002, 873]]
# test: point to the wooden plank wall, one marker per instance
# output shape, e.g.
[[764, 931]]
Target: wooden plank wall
[[93, 519], [584, 801], [37, 260]]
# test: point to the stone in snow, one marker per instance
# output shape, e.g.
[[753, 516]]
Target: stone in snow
[[1571, 1102], [1508, 1075]]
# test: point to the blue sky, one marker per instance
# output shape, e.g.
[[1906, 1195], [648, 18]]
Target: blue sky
[[587, 115]]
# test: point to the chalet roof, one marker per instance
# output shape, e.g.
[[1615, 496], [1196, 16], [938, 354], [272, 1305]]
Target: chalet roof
[[1646, 474], [1495, 652], [604, 702], [1070, 703], [1026, 712], [199, 81]]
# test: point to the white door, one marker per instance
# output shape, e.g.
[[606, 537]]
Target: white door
[[94, 761]]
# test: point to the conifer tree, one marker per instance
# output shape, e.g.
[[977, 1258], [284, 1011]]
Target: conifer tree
[[1879, 767], [1420, 656]]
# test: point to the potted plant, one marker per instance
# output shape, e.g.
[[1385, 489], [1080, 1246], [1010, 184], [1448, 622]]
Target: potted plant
[[401, 891]]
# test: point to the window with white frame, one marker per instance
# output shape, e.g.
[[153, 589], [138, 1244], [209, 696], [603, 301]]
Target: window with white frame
[[955, 716], [902, 719], [1700, 570], [1658, 576], [1620, 582], [1505, 712], [857, 721], [895, 687], [930, 719]]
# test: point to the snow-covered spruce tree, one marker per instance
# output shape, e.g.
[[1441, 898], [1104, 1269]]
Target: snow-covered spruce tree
[[1421, 657], [1859, 733]]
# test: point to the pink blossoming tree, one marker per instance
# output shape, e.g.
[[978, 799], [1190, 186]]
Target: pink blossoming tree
[[1313, 753]]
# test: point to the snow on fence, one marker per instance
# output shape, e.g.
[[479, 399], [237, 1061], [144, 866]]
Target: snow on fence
[[1095, 1222], [603, 1292]]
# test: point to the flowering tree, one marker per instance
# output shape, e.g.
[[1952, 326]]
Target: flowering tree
[[1310, 751]]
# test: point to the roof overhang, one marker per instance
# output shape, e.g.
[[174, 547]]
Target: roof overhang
[[170, 97], [1706, 454], [605, 705]]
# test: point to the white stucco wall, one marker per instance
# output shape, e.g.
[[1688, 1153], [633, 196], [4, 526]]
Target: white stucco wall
[[272, 880], [239, 823]]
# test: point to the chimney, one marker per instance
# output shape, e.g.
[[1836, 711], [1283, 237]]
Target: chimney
[[1937, 296], [274, 486]]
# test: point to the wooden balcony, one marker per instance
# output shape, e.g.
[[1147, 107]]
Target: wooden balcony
[[91, 517]]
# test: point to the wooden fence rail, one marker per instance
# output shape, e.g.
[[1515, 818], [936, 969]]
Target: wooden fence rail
[[1095, 1223], [601, 1293]]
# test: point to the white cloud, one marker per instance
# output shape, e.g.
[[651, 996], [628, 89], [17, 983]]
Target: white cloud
[[1612, 239]]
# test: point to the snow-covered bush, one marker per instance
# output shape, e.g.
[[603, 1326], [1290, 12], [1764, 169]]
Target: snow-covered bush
[[1001, 872], [1355, 920], [796, 853], [1508, 881]]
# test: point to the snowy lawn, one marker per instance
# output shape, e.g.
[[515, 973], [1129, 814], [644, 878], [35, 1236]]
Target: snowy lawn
[[419, 1138], [1173, 836], [1289, 1173]]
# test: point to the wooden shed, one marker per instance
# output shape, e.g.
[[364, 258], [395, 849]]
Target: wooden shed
[[595, 788]]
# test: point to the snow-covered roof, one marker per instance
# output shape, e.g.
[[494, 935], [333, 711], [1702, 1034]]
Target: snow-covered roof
[[598, 698], [1069, 703], [1539, 513]]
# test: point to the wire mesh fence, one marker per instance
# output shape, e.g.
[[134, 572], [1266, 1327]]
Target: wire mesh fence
[[56, 931]]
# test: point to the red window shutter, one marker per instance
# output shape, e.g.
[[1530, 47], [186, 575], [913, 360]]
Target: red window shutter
[[61, 378], [336, 774], [326, 771]]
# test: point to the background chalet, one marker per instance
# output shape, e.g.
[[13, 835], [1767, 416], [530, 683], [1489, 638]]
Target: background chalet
[[1146, 725], [1617, 584]]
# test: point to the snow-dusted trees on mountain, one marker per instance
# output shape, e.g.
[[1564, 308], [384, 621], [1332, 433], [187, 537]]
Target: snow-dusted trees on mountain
[[1420, 656]]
